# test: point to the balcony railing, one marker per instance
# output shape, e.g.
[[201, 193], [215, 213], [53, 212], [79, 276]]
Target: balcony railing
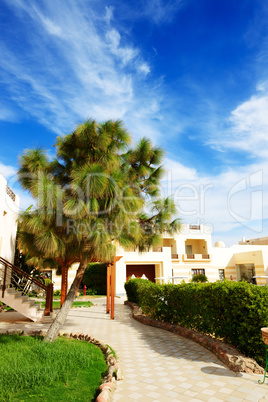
[[197, 257], [175, 256], [194, 227], [190, 256], [10, 193], [157, 249]]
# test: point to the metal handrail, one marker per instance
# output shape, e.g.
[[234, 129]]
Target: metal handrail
[[23, 273], [12, 269]]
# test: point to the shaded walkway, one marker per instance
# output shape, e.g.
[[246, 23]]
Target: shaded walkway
[[156, 364]]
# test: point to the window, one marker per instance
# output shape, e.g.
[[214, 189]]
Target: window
[[188, 249], [221, 274], [198, 271]]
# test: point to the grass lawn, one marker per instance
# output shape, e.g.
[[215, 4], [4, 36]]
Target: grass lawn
[[56, 304], [67, 370]]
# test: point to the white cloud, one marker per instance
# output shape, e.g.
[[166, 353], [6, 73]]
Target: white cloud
[[234, 203], [179, 172], [109, 14], [78, 66], [144, 68], [246, 128], [125, 54], [7, 114], [250, 125], [160, 11], [7, 171]]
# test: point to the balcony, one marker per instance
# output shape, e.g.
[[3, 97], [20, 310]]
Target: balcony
[[194, 227], [10, 193], [197, 257], [157, 249]]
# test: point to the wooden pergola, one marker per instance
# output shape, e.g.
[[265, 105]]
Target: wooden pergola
[[111, 287]]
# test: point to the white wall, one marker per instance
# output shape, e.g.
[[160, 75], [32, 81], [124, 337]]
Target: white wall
[[220, 258], [9, 210]]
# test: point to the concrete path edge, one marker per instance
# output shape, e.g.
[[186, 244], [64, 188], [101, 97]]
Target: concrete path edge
[[225, 353]]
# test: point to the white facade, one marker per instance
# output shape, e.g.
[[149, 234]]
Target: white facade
[[9, 210], [185, 254]]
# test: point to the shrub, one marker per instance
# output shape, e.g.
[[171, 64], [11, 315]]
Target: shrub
[[232, 311], [200, 278], [92, 292], [47, 281], [32, 293], [57, 292], [132, 286], [95, 278]]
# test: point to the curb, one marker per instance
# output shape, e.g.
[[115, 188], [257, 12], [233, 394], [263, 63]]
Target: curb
[[225, 353], [113, 374]]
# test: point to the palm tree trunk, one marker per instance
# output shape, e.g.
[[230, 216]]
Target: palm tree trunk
[[56, 325]]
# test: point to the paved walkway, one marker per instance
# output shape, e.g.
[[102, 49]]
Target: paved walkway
[[156, 364]]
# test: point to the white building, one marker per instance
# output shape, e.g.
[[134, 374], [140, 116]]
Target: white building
[[186, 254], [9, 209]]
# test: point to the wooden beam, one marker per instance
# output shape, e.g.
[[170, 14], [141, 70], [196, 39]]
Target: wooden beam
[[64, 283], [108, 288], [113, 285], [112, 290]]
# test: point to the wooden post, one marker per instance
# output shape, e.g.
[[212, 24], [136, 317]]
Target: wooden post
[[47, 306], [51, 296], [112, 289], [4, 282], [49, 300], [108, 288], [64, 284], [113, 285]]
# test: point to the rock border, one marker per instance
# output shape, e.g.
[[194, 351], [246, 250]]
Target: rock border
[[225, 353], [108, 386]]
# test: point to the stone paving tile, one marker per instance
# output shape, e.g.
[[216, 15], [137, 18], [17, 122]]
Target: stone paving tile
[[156, 364]]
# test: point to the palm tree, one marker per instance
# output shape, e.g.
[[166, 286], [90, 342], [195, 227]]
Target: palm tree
[[92, 197], [30, 230]]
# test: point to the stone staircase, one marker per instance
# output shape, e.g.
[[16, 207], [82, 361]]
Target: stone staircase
[[14, 286], [21, 303]]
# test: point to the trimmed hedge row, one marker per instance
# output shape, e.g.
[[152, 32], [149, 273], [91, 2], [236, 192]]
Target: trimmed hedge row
[[231, 311], [95, 278]]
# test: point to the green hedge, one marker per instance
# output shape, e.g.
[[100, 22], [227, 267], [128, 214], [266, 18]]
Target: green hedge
[[95, 278], [232, 311]]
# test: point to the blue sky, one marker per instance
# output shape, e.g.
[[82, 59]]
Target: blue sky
[[189, 74]]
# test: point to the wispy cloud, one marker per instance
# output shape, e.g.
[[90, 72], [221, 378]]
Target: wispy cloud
[[7, 114], [79, 62], [7, 171], [232, 200], [245, 130], [77, 65], [160, 11]]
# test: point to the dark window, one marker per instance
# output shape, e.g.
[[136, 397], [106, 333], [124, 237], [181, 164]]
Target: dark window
[[221, 274], [199, 271]]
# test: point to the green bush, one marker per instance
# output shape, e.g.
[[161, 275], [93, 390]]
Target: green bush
[[57, 292], [47, 281], [200, 278], [92, 292], [95, 278], [232, 311]]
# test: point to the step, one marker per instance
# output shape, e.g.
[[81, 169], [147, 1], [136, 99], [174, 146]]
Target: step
[[23, 304]]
